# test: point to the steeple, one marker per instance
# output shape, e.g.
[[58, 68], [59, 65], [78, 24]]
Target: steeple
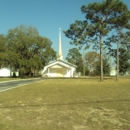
[[60, 56]]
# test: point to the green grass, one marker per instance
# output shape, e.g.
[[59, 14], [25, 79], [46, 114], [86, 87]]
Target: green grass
[[67, 104]]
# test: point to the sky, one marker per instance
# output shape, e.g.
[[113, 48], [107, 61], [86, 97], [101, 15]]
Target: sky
[[45, 15]]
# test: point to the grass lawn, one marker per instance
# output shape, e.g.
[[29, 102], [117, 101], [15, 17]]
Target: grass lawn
[[67, 104]]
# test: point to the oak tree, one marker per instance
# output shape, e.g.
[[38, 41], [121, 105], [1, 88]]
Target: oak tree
[[28, 51]]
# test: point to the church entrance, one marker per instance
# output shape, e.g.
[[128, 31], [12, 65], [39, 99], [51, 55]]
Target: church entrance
[[59, 73]]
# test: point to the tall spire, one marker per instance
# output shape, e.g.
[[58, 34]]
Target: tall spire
[[60, 56]]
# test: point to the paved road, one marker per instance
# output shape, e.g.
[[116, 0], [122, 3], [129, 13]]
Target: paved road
[[17, 83]]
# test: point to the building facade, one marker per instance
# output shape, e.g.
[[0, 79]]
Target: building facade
[[59, 68]]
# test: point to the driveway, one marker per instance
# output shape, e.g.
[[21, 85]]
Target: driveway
[[6, 85]]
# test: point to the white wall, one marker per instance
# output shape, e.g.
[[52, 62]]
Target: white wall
[[52, 72], [5, 72], [112, 72], [66, 72]]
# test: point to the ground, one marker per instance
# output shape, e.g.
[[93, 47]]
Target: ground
[[67, 104]]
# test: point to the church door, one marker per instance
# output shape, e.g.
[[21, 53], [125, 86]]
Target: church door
[[59, 73]]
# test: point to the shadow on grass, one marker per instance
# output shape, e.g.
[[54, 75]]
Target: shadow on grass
[[66, 104]]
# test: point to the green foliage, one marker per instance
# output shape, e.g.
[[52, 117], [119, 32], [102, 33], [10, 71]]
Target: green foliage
[[91, 60], [3, 52], [27, 50], [101, 19], [124, 60], [123, 52], [75, 57], [106, 65]]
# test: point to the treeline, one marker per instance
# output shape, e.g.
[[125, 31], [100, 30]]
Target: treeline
[[89, 63], [24, 50]]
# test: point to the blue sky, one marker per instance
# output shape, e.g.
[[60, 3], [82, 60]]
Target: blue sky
[[46, 15]]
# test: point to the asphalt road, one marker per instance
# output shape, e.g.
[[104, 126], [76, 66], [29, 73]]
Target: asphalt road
[[17, 83]]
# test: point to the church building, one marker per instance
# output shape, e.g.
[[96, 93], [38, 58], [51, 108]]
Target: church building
[[59, 68]]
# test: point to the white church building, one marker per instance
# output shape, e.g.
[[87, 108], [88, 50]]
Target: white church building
[[59, 68]]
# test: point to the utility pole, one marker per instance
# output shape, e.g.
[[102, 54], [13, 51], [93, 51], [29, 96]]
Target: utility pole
[[83, 62], [101, 58]]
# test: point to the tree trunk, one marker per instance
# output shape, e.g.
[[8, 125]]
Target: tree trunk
[[117, 64], [118, 46], [83, 62], [101, 59]]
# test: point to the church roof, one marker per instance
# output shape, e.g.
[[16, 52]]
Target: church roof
[[62, 63]]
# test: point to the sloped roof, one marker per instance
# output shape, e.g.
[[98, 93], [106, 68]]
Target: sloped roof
[[61, 62]]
